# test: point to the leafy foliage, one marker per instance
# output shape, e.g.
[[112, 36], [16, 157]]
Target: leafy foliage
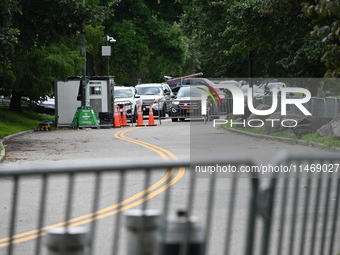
[[44, 45], [326, 15], [40, 40], [148, 45], [278, 33]]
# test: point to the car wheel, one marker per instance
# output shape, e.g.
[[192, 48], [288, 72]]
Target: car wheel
[[174, 119]]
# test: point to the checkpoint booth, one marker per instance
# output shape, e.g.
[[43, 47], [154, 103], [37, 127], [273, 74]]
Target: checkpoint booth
[[98, 99]]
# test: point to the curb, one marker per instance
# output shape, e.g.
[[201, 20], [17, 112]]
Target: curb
[[5, 139], [282, 139]]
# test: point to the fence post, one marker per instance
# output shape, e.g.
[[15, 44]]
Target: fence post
[[141, 231], [67, 241], [181, 236]]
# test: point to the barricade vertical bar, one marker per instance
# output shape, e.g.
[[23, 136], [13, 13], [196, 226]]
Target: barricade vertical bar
[[41, 212], [118, 215], [190, 202], [159, 114], [325, 217], [252, 211], [316, 211], [165, 213], [13, 214], [144, 207], [96, 199], [69, 199], [283, 215], [267, 202], [68, 211], [294, 213], [305, 217], [335, 219], [210, 207], [230, 216]]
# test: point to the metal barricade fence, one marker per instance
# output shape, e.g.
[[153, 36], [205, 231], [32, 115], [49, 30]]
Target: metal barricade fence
[[58, 197], [126, 111], [319, 107], [298, 211], [197, 109], [220, 109]]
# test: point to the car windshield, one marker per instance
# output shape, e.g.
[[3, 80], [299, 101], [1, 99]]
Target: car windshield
[[149, 91], [123, 93], [256, 89], [190, 92], [236, 84], [275, 85]]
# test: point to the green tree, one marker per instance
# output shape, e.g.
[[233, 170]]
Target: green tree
[[8, 39], [326, 20], [46, 46], [149, 44], [278, 32], [223, 33], [203, 22]]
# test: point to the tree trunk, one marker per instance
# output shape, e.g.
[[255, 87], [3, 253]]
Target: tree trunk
[[15, 104]]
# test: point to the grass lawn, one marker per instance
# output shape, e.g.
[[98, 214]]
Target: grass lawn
[[14, 122], [328, 142]]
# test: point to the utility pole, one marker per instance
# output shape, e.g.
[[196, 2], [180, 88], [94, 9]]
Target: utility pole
[[84, 83], [251, 67]]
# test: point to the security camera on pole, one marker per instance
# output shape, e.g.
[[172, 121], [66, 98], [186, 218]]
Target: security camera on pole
[[106, 51]]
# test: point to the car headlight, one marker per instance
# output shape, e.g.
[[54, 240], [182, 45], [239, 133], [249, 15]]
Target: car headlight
[[175, 102]]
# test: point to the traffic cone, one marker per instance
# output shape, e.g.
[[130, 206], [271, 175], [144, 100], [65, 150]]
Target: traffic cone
[[151, 118], [116, 123], [123, 119], [140, 117]]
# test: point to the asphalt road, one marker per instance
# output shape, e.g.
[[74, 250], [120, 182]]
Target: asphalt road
[[182, 139]]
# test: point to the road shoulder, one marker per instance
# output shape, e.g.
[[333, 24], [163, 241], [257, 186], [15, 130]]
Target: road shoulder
[[282, 139]]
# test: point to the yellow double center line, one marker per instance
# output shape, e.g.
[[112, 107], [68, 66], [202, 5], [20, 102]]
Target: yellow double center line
[[128, 203]]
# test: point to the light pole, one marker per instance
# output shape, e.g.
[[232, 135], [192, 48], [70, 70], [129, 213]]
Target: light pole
[[83, 103], [106, 51]]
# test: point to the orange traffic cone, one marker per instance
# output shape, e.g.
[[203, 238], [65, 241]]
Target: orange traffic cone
[[151, 118], [116, 123], [123, 119], [140, 117]]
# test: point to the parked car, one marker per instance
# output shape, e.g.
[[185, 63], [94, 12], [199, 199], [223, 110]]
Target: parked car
[[258, 94], [278, 85], [222, 86], [46, 106], [157, 95], [189, 103], [128, 97], [176, 89]]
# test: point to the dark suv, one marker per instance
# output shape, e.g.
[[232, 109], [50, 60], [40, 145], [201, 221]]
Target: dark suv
[[188, 103]]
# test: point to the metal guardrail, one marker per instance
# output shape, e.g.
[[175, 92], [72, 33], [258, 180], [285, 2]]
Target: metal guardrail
[[197, 109], [111, 177], [127, 108], [299, 211], [328, 107]]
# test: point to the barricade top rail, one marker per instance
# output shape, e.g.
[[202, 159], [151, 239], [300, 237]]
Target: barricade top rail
[[106, 165], [287, 156]]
